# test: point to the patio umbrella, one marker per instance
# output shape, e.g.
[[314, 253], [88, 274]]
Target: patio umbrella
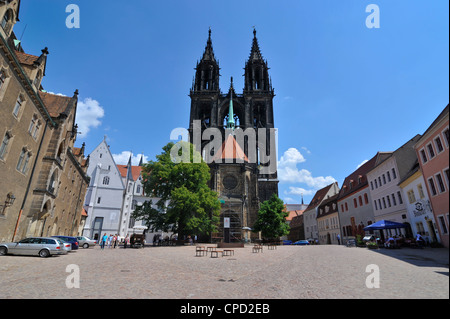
[[384, 224]]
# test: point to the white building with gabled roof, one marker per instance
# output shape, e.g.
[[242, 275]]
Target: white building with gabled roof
[[104, 196]]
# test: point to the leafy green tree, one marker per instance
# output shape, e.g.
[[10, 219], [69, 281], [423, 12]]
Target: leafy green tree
[[271, 221], [179, 179]]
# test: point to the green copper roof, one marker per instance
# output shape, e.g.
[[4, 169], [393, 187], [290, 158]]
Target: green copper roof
[[230, 123]]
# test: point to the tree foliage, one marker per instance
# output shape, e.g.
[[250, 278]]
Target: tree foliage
[[271, 221], [185, 205]]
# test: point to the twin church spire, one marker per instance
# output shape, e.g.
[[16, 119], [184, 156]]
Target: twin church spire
[[208, 71]]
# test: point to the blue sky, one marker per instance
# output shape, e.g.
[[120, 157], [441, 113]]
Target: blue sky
[[343, 91]]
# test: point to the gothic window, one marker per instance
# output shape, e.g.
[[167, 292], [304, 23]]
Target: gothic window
[[24, 159], [18, 105], [2, 78], [7, 20], [4, 145], [52, 183], [230, 182], [237, 122]]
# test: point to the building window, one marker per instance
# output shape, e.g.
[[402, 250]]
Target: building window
[[2, 78], [438, 143], [24, 159], [384, 179], [443, 225], [388, 200], [360, 201], [384, 202], [400, 199], [379, 203], [375, 204], [394, 201], [18, 106], [379, 180], [7, 21], [4, 145], [411, 196], [376, 184], [371, 185], [106, 180], [447, 137], [424, 156], [366, 198], [99, 199], [432, 186], [421, 193], [346, 207], [440, 183], [394, 174], [388, 176], [430, 150], [447, 176], [355, 204]]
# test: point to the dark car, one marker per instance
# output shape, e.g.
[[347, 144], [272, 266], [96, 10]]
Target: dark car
[[70, 239], [302, 243]]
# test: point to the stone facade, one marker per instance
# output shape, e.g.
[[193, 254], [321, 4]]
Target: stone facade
[[241, 182], [38, 161]]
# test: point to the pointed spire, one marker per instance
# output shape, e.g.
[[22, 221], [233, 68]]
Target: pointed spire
[[230, 123], [141, 161], [208, 55], [255, 53]]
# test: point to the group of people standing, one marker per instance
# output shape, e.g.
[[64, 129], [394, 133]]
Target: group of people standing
[[111, 241]]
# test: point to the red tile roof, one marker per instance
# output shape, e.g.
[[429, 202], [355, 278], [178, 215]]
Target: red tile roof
[[25, 58], [319, 197], [55, 104], [230, 151], [135, 171], [358, 179]]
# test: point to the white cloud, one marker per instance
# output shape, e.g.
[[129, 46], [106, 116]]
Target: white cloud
[[306, 150], [299, 191], [289, 172], [89, 113], [291, 158], [122, 158]]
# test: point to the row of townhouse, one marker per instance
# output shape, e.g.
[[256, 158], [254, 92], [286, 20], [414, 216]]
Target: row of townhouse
[[409, 185], [42, 175]]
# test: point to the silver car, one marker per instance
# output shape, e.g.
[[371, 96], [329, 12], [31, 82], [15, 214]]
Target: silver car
[[86, 242], [66, 245], [34, 246]]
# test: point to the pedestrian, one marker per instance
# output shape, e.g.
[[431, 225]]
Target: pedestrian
[[115, 240], [339, 239], [125, 242], [103, 242]]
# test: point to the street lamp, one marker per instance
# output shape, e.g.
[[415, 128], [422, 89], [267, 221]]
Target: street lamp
[[10, 198]]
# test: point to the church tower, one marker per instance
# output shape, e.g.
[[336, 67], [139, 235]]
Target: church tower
[[244, 139]]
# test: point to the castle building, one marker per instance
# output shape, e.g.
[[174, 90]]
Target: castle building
[[42, 174], [241, 155]]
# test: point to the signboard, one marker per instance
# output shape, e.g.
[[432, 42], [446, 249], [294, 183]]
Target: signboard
[[226, 222]]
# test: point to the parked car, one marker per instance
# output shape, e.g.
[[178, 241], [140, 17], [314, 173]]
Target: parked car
[[34, 246], [67, 245], [70, 239], [86, 242], [287, 242], [302, 242]]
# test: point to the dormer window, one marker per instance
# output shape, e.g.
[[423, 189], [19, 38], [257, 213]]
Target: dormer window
[[37, 80]]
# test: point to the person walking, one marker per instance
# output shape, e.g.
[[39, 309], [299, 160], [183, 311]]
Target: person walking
[[339, 239], [116, 238], [103, 242], [125, 242]]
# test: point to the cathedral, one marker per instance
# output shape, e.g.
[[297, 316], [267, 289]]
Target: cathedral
[[242, 153]]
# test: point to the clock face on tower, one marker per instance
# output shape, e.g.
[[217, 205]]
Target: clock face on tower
[[230, 182]]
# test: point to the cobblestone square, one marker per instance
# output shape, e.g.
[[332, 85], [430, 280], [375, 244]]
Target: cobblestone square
[[288, 272]]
